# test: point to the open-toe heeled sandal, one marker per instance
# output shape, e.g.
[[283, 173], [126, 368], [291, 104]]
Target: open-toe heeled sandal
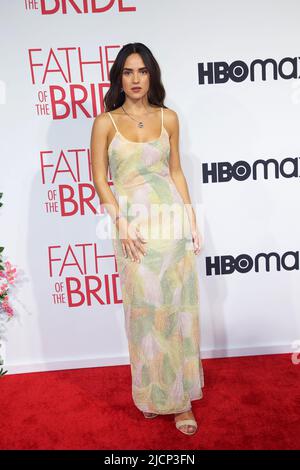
[[186, 422]]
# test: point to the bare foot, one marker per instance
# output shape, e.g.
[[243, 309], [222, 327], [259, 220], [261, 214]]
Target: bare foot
[[185, 415]]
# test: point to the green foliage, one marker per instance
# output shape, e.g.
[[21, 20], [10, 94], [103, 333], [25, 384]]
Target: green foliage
[[2, 371]]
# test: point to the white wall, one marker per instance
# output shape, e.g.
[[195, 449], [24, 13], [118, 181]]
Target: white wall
[[241, 313]]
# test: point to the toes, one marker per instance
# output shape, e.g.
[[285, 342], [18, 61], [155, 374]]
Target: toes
[[187, 428]]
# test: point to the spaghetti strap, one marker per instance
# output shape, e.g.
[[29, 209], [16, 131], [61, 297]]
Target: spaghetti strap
[[162, 119], [113, 121]]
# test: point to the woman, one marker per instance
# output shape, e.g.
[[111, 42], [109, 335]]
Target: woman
[[137, 137]]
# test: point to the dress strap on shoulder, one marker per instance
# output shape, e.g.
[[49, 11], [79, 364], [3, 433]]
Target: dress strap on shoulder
[[162, 118], [113, 121]]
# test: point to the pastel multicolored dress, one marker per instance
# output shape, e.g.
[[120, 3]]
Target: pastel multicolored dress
[[160, 294]]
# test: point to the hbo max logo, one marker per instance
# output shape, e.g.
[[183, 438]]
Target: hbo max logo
[[241, 170], [238, 71], [228, 264]]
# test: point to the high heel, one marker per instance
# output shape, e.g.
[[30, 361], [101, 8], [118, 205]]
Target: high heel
[[186, 422], [180, 423]]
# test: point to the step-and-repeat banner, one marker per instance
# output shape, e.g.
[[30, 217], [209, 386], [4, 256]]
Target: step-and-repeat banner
[[231, 72]]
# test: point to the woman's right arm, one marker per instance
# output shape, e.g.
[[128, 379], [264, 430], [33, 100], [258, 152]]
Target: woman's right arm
[[99, 163]]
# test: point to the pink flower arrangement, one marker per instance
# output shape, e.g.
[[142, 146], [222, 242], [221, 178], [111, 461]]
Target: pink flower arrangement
[[8, 274], [7, 278]]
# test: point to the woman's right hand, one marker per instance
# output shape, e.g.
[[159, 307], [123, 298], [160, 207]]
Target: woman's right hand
[[131, 239]]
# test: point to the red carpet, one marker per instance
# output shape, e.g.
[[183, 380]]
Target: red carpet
[[249, 403]]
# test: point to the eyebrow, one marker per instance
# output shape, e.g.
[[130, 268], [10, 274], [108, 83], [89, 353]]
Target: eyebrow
[[141, 68]]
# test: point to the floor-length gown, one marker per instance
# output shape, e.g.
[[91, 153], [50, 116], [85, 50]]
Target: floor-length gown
[[160, 294]]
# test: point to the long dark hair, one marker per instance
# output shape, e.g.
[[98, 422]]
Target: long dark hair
[[114, 97]]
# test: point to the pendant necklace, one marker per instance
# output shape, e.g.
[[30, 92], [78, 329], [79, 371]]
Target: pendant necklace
[[140, 123]]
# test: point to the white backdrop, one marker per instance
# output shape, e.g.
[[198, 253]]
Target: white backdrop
[[51, 59]]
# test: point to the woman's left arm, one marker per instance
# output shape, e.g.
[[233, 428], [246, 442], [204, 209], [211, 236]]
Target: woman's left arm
[[179, 179]]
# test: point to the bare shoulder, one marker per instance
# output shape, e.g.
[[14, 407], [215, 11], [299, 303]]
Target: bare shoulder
[[170, 113], [101, 123], [171, 120], [171, 116], [102, 118]]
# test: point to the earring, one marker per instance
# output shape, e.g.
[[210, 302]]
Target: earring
[[122, 89]]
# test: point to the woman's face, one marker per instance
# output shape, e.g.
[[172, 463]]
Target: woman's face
[[135, 74]]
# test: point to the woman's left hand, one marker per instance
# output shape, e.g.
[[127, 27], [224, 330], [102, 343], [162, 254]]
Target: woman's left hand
[[197, 241]]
